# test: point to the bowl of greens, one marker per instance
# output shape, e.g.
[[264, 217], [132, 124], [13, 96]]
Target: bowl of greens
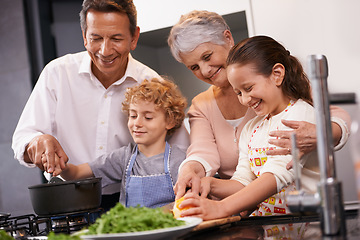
[[138, 223]]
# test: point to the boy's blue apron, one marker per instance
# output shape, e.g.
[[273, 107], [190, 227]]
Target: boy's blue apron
[[152, 190]]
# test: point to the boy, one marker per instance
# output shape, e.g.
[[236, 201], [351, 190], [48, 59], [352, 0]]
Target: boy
[[147, 169]]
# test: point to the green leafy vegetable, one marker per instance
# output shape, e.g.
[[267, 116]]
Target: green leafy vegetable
[[120, 219], [5, 236], [62, 236]]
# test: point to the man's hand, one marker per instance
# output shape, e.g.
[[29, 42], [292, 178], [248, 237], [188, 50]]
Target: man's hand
[[305, 138], [46, 153]]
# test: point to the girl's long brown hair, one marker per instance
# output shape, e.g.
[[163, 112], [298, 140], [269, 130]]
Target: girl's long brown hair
[[264, 52]]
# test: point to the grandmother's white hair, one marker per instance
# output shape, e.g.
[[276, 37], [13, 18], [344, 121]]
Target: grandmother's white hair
[[195, 28]]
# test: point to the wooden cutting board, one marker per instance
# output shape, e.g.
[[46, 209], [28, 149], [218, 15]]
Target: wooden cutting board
[[216, 222]]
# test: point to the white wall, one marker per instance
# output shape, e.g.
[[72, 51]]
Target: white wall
[[329, 27]]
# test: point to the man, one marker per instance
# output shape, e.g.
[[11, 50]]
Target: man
[[75, 108]]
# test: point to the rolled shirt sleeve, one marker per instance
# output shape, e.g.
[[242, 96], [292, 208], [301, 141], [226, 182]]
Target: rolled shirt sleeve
[[343, 119]]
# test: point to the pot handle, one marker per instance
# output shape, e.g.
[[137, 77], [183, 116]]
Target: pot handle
[[86, 182]]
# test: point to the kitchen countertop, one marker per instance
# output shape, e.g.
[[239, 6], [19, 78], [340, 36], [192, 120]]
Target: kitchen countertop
[[253, 228]]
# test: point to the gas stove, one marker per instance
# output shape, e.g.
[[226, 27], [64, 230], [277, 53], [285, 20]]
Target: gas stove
[[32, 226]]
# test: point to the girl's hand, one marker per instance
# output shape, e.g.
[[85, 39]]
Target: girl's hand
[[201, 207]]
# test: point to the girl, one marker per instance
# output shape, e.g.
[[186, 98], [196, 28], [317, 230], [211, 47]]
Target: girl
[[269, 80]]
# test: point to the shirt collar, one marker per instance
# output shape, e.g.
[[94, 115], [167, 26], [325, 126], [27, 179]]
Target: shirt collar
[[131, 70], [85, 65]]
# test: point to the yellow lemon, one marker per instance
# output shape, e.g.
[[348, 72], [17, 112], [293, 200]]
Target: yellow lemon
[[177, 210]]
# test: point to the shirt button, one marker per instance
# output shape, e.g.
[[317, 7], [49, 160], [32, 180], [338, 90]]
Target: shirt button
[[105, 96], [102, 122], [101, 147]]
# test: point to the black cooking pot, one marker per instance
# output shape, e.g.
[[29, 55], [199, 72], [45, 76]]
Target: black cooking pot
[[66, 197]]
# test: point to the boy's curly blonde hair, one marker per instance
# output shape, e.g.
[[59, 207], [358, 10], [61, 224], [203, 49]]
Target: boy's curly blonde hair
[[166, 96]]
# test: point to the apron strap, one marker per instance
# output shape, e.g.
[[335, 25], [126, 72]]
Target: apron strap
[[131, 163], [166, 160]]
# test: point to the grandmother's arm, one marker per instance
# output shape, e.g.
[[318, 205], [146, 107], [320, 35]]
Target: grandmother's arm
[[306, 133]]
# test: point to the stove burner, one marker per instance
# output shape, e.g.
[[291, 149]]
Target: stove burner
[[69, 223], [22, 227]]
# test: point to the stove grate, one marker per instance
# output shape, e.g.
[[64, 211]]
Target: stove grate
[[25, 226]]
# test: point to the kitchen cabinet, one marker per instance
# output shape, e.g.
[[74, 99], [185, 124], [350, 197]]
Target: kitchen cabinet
[[14, 92], [155, 25], [158, 14], [153, 50]]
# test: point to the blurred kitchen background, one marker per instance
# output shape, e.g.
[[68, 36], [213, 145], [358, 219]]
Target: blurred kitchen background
[[33, 32]]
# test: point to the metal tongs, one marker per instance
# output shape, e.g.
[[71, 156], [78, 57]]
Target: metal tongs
[[54, 179]]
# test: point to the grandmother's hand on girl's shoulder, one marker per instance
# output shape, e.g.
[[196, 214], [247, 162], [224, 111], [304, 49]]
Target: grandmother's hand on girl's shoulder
[[305, 138]]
